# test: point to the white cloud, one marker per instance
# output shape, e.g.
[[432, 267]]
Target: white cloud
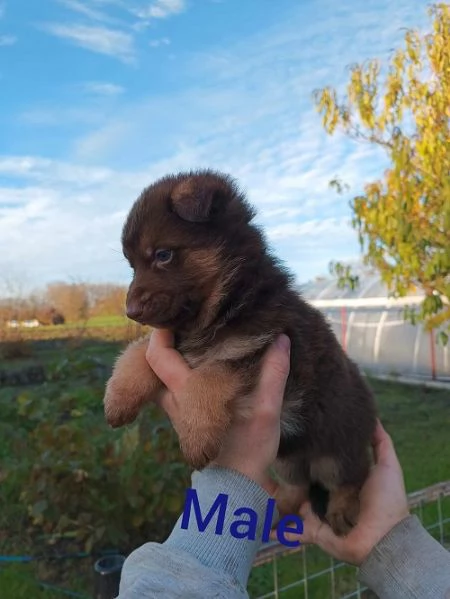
[[10, 197], [69, 231], [53, 172], [160, 9], [21, 165], [70, 216], [246, 110], [103, 88], [164, 41], [103, 40], [85, 10], [118, 14], [7, 40], [59, 116], [309, 228]]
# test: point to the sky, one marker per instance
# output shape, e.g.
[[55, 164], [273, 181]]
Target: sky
[[99, 98]]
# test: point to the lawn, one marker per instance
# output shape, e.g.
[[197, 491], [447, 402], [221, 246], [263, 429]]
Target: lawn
[[68, 483]]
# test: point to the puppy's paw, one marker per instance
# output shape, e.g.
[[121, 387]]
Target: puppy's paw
[[343, 510], [119, 410], [200, 449], [340, 522], [289, 498]]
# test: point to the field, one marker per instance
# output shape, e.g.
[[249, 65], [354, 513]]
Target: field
[[69, 484]]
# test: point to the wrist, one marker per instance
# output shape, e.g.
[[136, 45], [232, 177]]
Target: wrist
[[214, 544], [248, 470], [371, 537]]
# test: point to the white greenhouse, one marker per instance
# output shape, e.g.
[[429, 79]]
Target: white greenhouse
[[371, 328]]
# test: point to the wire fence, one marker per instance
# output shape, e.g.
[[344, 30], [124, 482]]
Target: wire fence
[[308, 573]]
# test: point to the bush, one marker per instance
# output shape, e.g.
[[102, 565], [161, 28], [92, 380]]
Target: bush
[[98, 486], [84, 367], [15, 349]]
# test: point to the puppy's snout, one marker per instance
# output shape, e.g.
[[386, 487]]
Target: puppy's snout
[[134, 309], [149, 307]]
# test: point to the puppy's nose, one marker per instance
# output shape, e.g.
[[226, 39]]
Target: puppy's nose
[[134, 309]]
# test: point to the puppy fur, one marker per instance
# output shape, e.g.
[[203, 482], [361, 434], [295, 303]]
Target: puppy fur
[[202, 269]]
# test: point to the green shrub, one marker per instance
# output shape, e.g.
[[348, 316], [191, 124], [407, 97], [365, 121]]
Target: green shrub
[[15, 349], [98, 486], [17, 581], [86, 367]]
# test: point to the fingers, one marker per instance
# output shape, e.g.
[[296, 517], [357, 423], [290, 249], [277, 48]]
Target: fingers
[[166, 362], [379, 434], [315, 532], [274, 373], [170, 367], [311, 526], [383, 447]]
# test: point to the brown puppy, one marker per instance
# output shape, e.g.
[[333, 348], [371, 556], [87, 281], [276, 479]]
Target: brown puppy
[[202, 269]]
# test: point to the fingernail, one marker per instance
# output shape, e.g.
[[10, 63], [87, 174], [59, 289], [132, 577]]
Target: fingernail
[[284, 343]]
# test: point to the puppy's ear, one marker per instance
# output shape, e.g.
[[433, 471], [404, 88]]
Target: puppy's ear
[[195, 201]]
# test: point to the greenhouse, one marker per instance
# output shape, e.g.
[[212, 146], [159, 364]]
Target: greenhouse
[[371, 328]]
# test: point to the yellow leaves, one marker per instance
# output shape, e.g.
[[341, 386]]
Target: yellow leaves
[[403, 220], [407, 88], [362, 91], [398, 62], [439, 319], [326, 104], [413, 46]]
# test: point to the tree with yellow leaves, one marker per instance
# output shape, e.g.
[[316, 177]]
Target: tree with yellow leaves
[[403, 219]]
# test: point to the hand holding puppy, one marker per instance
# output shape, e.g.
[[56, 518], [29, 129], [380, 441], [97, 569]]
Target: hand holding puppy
[[383, 505], [250, 446]]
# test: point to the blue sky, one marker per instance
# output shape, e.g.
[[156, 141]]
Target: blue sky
[[100, 97]]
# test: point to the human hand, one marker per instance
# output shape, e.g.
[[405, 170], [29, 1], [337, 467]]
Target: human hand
[[250, 446], [383, 505]]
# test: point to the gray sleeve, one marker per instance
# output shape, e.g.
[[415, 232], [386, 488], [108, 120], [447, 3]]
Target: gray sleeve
[[195, 564], [408, 564]]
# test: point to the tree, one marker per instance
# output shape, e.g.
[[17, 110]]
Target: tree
[[107, 299], [69, 299], [403, 219]]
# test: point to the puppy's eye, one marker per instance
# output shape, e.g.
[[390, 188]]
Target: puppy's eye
[[163, 256]]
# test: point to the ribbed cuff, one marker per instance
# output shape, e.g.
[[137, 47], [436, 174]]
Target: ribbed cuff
[[223, 551], [407, 562]]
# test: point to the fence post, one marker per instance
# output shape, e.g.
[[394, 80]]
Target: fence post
[[344, 328], [433, 355], [107, 576]]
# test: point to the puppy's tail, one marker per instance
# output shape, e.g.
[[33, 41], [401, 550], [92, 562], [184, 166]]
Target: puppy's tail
[[319, 497]]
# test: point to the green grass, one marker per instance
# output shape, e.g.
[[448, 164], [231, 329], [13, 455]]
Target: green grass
[[95, 321], [107, 321], [417, 418], [16, 581]]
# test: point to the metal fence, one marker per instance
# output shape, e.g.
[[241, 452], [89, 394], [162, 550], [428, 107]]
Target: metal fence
[[307, 573]]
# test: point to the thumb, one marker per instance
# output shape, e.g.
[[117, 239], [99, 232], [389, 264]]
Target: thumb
[[316, 532], [275, 370]]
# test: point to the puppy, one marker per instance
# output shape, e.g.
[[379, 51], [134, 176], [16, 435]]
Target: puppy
[[202, 269]]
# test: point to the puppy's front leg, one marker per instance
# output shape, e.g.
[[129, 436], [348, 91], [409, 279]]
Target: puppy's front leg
[[132, 384], [205, 408]]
